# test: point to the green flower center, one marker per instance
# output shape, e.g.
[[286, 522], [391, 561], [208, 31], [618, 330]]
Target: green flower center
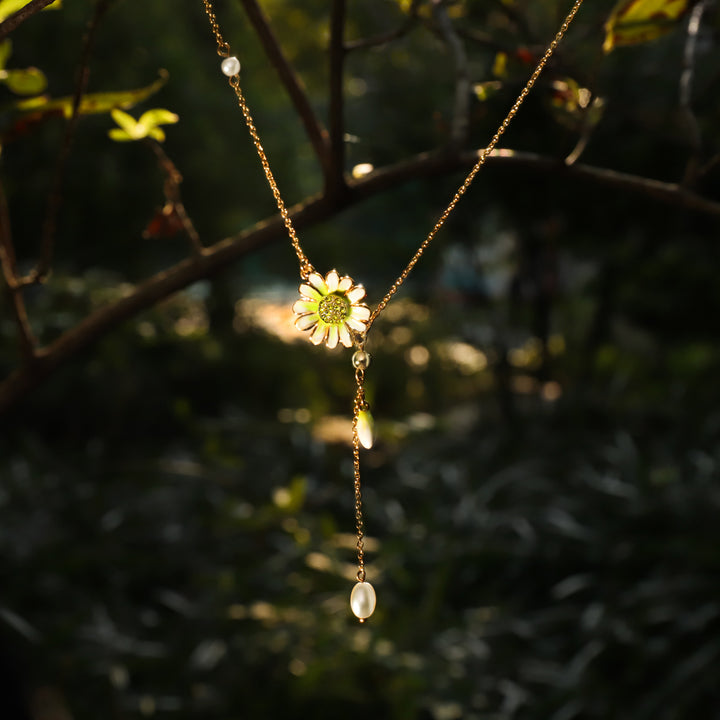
[[333, 309]]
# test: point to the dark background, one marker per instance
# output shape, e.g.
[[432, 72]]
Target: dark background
[[176, 512]]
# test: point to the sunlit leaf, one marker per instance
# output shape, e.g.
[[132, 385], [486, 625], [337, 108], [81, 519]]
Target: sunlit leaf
[[5, 52], [156, 133], [8, 7], [29, 81], [485, 90], [127, 122], [94, 103], [119, 135], [158, 116], [146, 126], [638, 21], [499, 68]]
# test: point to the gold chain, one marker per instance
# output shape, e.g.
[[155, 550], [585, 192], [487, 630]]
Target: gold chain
[[223, 49], [484, 154], [360, 405]]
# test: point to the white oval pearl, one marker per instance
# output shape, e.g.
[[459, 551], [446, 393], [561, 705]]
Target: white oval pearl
[[230, 66], [362, 600]]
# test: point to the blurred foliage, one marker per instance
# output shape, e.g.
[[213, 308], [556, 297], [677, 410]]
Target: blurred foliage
[[176, 507]]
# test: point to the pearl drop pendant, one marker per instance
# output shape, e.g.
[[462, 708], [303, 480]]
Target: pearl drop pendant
[[362, 600], [230, 66]]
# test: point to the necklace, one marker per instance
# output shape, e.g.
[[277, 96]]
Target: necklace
[[331, 308]]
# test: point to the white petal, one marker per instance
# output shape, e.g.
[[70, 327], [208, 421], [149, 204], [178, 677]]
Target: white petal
[[356, 294], [355, 324], [345, 284], [360, 312], [331, 280], [309, 292], [332, 338], [305, 322], [305, 306], [345, 337], [318, 335], [316, 280]]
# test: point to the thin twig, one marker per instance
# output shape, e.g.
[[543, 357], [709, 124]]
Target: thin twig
[[219, 257], [686, 91], [317, 134], [337, 100], [461, 111], [28, 343], [388, 37], [173, 178], [19, 17], [42, 269]]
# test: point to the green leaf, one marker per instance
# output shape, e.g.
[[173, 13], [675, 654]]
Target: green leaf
[[5, 52], [96, 103], [639, 21], [126, 121], [485, 90], [8, 7], [146, 126], [156, 133], [158, 116], [119, 135], [29, 81]]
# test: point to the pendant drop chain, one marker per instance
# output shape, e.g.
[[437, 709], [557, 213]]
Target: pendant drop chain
[[330, 308]]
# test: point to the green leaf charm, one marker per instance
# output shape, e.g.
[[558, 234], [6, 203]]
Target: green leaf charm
[[366, 429]]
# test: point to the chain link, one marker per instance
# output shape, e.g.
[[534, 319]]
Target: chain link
[[360, 404], [223, 49]]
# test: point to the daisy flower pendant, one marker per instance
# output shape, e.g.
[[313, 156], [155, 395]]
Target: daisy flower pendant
[[330, 309]]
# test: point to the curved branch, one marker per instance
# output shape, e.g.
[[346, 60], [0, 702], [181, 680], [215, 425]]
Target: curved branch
[[461, 111], [337, 106], [19, 17], [317, 134], [55, 199], [385, 38], [218, 257]]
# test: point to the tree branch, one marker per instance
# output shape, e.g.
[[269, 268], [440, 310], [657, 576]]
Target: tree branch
[[55, 198], [337, 107], [19, 17], [385, 38], [218, 257], [9, 270], [686, 91], [317, 134], [173, 199], [461, 111]]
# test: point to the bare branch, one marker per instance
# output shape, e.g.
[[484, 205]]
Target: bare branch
[[220, 256], [686, 91], [337, 106], [55, 198], [9, 270], [461, 111], [19, 17], [388, 37], [317, 134], [173, 178]]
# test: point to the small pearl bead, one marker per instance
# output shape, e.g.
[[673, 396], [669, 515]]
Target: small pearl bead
[[230, 66], [361, 360]]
